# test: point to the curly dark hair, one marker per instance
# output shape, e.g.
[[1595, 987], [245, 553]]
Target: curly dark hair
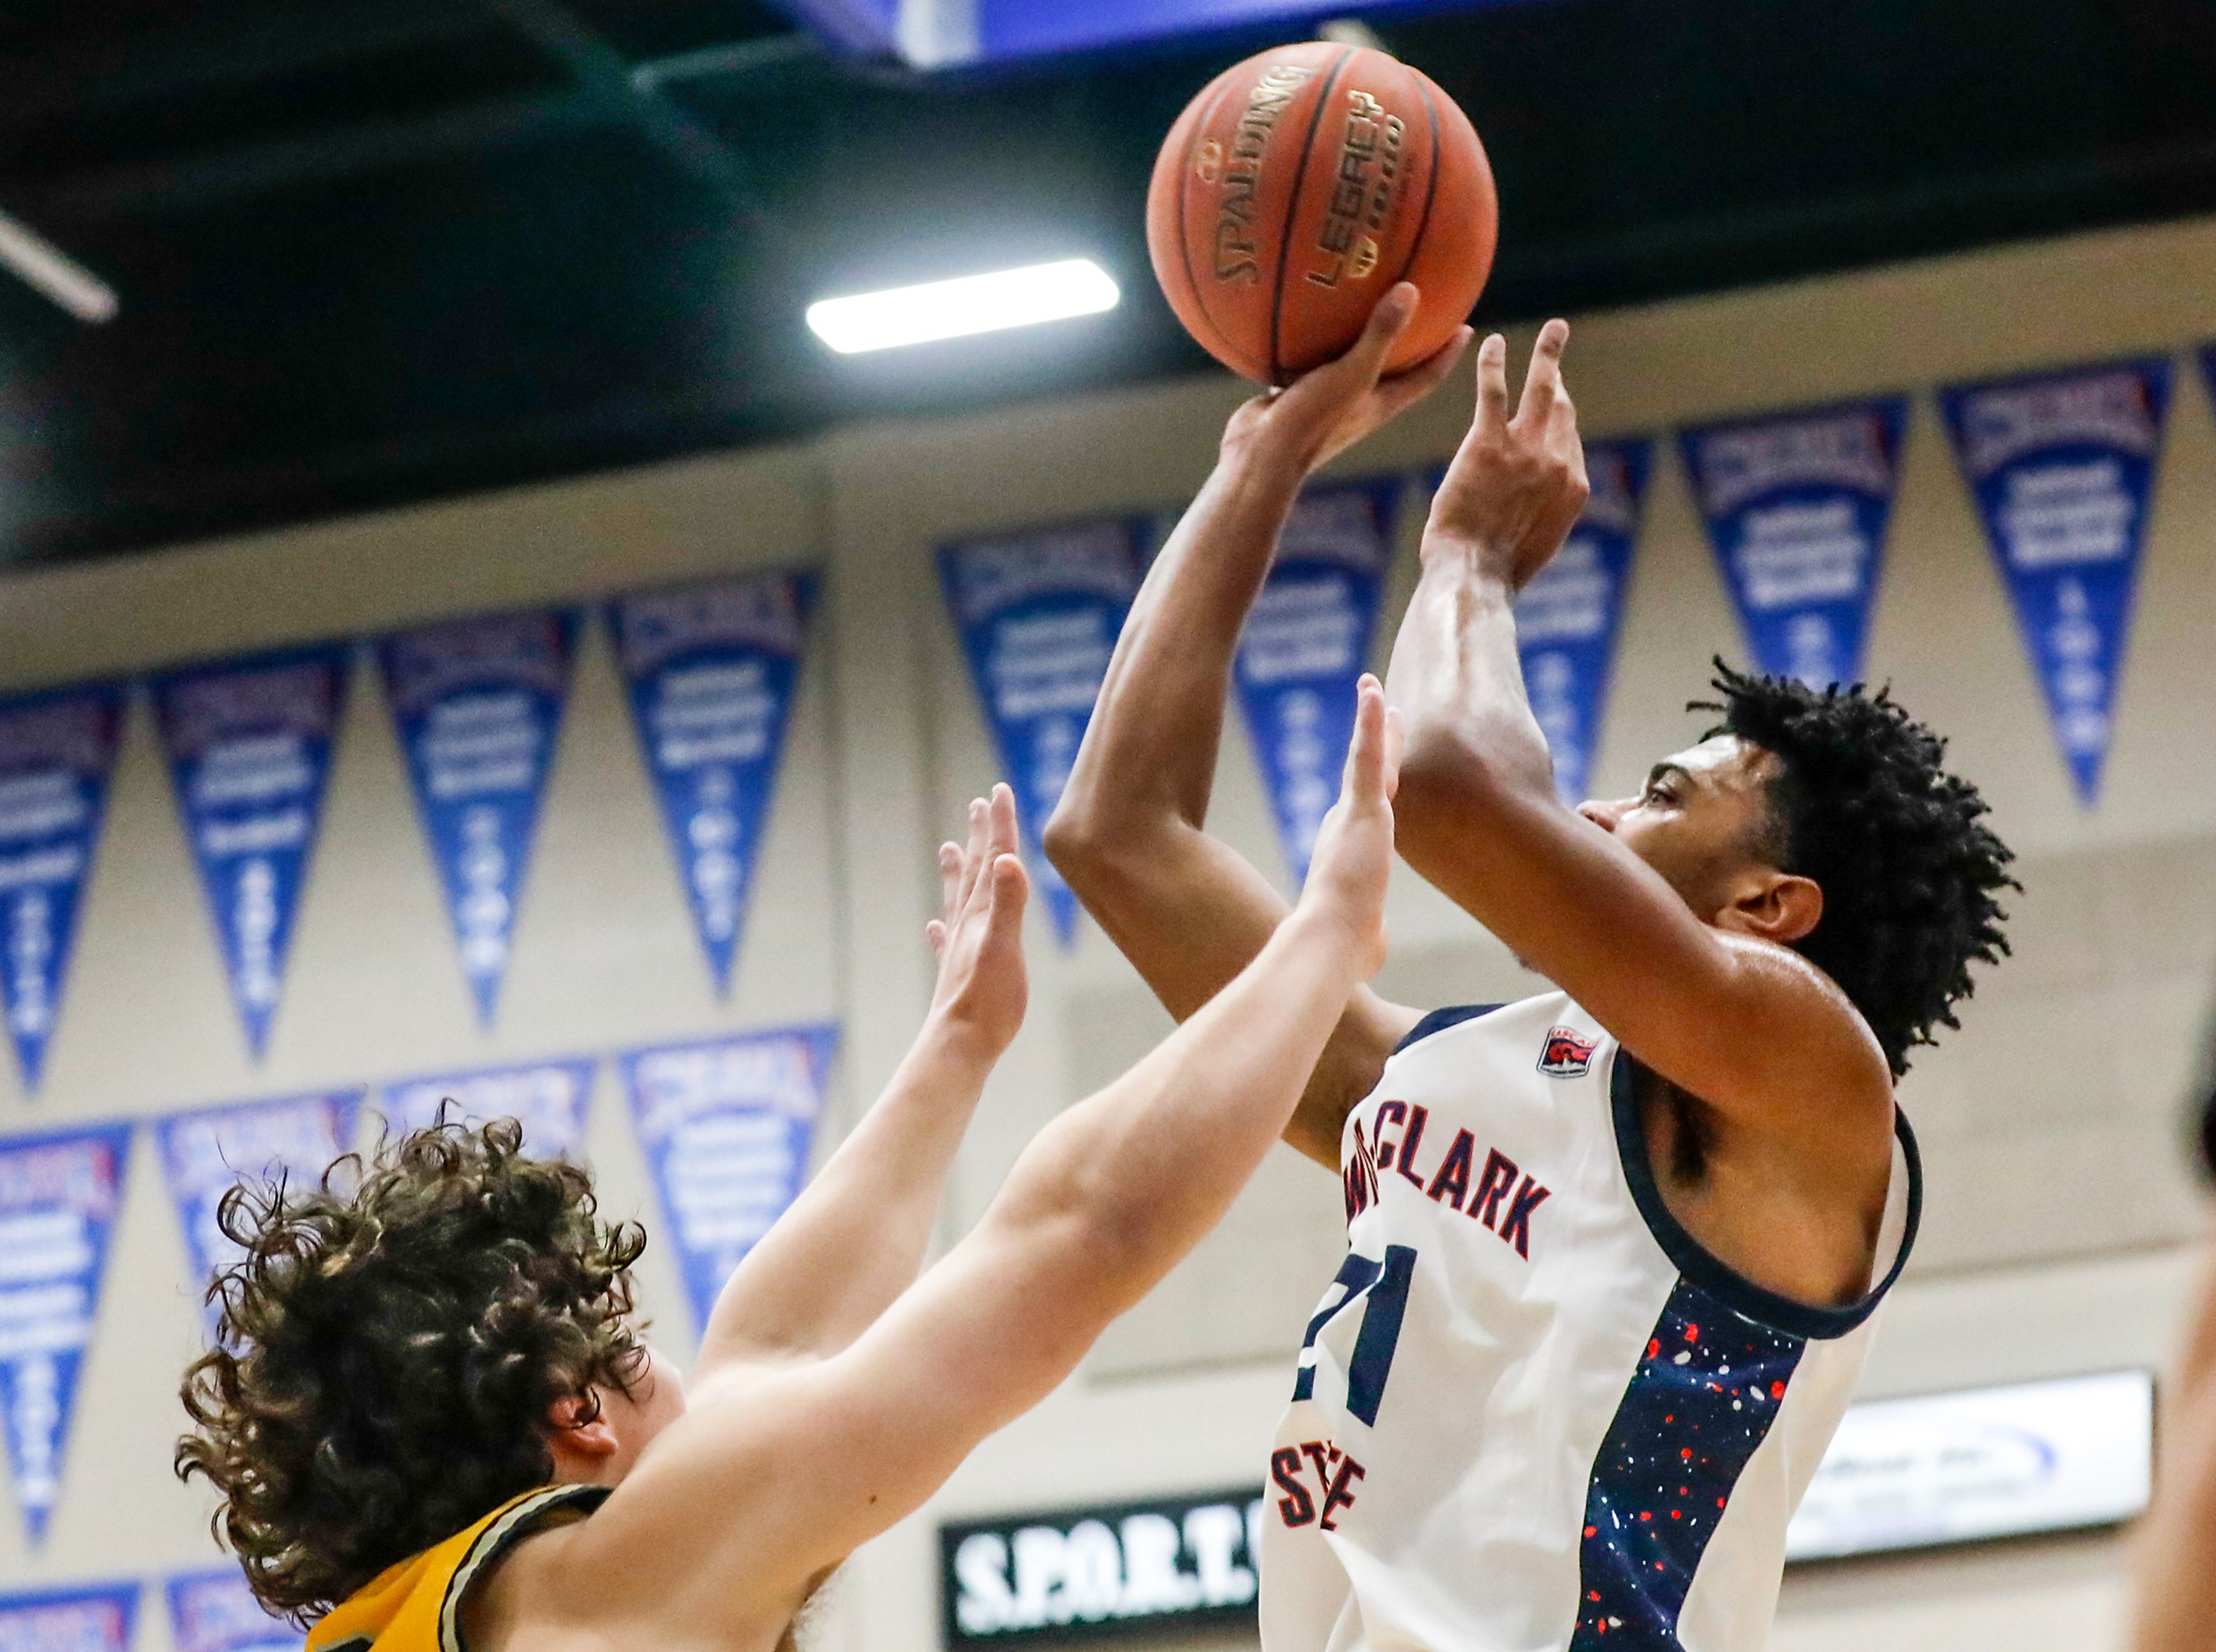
[[388, 1348], [1910, 872]]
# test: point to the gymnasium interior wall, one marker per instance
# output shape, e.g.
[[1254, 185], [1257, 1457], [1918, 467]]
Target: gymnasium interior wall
[[2063, 1218]]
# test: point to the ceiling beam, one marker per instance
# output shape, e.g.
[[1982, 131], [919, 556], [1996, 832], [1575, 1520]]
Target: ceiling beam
[[212, 176], [225, 49], [603, 75]]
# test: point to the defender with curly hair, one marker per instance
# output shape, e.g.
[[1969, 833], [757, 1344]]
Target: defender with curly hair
[[1614, 1250], [435, 1424]]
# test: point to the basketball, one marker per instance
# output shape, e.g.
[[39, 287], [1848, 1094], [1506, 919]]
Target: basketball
[[1297, 188]]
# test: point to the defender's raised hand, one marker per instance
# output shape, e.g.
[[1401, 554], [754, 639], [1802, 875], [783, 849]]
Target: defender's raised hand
[[1325, 411], [1515, 488], [978, 939], [1353, 859]]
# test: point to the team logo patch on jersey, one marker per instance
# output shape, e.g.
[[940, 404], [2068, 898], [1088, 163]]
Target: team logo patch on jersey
[[1566, 1055]]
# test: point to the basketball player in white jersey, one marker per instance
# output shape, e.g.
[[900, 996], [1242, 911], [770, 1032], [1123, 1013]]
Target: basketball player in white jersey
[[1613, 1250]]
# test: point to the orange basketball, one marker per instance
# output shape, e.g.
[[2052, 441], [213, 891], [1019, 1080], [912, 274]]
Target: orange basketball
[[1298, 187]]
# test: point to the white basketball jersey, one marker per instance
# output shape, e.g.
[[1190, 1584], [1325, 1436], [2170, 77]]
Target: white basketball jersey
[[1532, 1413]]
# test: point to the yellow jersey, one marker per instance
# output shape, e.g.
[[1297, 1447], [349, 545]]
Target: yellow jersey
[[416, 1605]]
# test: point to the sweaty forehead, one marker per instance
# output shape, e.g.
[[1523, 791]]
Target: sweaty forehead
[[1724, 762]]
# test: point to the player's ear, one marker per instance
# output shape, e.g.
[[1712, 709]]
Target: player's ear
[[576, 1441], [1779, 907]]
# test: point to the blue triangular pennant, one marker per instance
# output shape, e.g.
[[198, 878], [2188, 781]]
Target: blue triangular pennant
[[710, 671], [215, 1611], [59, 1197], [726, 1126], [479, 706], [1039, 614], [57, 751], [1796, 506], [1306, 645], [249, 743], [207, 1152], [94, 1619], [2063, 467], [547, 1098]]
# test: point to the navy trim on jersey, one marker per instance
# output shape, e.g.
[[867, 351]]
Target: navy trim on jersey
[[1439, 1020], [1696, 1410], [1742, 1295]]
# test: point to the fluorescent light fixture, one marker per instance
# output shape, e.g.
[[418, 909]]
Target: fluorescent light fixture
[[967, 306], [47, 268]]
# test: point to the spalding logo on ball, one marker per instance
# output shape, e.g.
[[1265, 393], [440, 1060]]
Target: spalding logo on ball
[[1298, 187]]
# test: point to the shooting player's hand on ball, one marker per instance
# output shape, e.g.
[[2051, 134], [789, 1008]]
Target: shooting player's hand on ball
[[1324, 412]]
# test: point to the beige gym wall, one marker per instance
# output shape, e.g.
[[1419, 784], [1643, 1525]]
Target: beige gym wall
[[2060, 1210]]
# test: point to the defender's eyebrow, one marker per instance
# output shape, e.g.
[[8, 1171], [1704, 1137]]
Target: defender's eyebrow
[[1666, 768]]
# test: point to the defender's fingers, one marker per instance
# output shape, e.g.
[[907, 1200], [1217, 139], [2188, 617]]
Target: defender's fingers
[[1396, 742], [1000, 836], [1492, 383], [935, 932], [1009, 886], [1543, 383], [973, 853], [949, 878], [1364, 783]]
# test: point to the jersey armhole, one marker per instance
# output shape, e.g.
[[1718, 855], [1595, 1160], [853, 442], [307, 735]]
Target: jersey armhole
[[1439, 1020], [1718, 1278], [557, 1505]]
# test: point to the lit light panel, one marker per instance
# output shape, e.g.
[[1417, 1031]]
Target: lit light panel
[[967, 306]]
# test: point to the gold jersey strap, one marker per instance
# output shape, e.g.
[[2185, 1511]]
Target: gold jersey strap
[[415, 1605]]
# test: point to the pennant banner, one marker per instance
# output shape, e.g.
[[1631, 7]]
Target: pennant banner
[[248, 745], [726, 1127], [711, 669], [479, 704], [1306, 643], [548, 1100], [69, 1620], [2063, 467], [1796, 506], [207, 1153], [59, 1196], [216, 1612], [1567, 617], [1039, 614], [56, 752]]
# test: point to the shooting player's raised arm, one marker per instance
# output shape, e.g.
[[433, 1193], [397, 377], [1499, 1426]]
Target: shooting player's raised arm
[[1130, 835]]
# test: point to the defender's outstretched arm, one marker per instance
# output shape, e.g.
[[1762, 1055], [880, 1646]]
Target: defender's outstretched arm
[[1748, 1026], [779, 1472], [853, 1240], [1130, 836]]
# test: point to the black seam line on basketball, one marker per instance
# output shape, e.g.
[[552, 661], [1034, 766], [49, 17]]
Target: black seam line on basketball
[[1293, 209], [1184, 241], [1430, 186]]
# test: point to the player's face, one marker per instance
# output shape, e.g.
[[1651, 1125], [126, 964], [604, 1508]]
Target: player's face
[[1698, 820]]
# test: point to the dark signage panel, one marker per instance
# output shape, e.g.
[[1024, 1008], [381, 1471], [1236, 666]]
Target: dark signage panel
[[1116, 1571]]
